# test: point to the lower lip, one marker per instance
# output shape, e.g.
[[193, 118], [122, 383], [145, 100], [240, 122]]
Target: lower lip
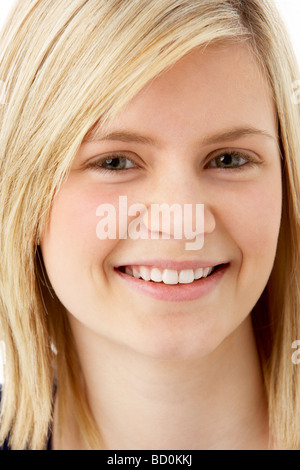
[[177, 292]]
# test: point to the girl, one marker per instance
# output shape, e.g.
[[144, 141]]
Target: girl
[[135, 342]]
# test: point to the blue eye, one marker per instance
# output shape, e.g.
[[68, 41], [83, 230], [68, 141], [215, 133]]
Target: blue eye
[[230, 160], [113, 163], [226, 160]]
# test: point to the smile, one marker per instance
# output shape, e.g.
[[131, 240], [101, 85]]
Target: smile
[[168, 276], [173, 282]]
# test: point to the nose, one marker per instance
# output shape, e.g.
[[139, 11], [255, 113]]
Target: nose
[[179, 208]]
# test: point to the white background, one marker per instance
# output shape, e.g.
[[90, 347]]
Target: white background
[[290, 10]]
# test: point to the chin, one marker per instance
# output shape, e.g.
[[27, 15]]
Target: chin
[[170, 344]]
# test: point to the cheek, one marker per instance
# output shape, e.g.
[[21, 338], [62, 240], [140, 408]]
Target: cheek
[[70, 245], [260, 221], [253, 221]]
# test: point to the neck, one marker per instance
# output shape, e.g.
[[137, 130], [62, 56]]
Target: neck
[[215, 402]]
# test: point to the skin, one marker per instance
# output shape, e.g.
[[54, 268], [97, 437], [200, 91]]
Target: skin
[[174, 375]]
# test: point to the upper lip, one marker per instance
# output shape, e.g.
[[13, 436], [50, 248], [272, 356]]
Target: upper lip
[[171, 264]]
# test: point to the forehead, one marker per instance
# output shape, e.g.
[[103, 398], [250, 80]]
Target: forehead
[[221, 86]]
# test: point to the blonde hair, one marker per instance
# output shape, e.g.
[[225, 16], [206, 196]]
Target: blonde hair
[[68, 64]]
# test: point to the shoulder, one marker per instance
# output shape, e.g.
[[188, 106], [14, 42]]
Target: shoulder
[[5, 445]]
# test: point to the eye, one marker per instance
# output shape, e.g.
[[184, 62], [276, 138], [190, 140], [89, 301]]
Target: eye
[[231, 160], [113, 163]]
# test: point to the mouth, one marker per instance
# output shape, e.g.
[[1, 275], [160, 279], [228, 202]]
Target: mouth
[[158, 275]]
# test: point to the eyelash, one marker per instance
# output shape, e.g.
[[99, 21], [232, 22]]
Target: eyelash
[[250, 162], [97, 164]]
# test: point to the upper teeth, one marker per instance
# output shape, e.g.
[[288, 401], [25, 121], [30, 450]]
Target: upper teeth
[[168, 276]]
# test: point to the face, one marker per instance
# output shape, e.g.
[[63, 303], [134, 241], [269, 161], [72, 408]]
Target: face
[[204, 132]]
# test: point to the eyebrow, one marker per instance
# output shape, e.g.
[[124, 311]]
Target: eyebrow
[[122, 136], [227, 135], [236, 133]]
